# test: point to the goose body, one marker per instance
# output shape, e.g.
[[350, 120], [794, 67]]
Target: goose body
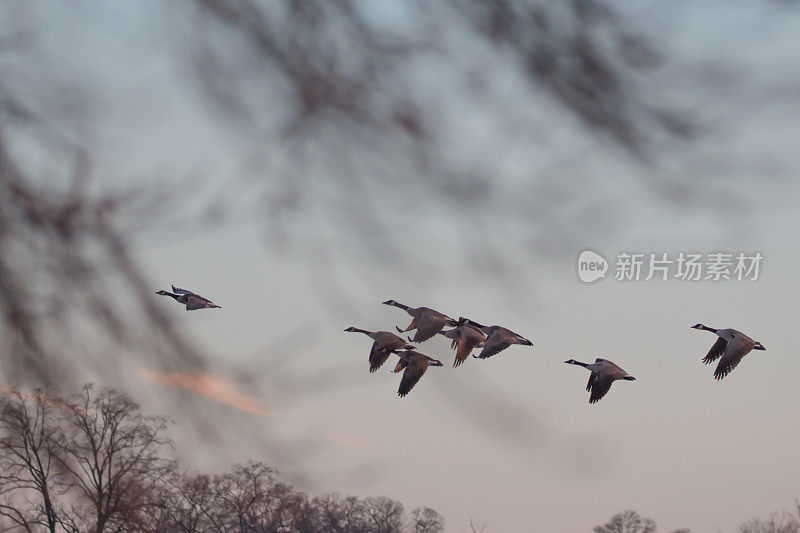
[[498, 339], [414, 365], [465, 337], [428, 322], [385, 344], [191, 300], [730, 348], [603, 374]]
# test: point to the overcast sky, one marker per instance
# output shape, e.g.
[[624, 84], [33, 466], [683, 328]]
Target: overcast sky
[[510, 441]]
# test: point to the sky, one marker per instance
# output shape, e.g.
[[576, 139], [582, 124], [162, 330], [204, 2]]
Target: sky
[[510, 441]]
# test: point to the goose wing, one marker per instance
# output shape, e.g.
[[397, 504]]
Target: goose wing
[[734, 352], [468, 339], [592, 378], [401, 364], [499, 340], [453, 335], [178, 290], [412, 374], [385, 343], [428, 325], [599, 388], [716, 351], [377, 356]]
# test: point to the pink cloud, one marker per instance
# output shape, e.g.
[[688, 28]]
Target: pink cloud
[[217, 388]]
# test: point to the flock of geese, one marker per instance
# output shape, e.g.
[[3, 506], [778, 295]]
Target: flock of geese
[[465, 336], [730, 347]]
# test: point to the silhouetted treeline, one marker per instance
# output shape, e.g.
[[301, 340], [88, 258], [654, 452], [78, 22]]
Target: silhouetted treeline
[[633, 522], [777, 522], [630, 522], [94, 462]]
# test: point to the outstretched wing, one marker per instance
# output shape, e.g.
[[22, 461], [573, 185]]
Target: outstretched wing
[[734, 352], [428, 326], [496, 343], [600, 387], [412, 374], [716, 351], [178, 290], [377, 356], [401, 364], [592, 377], [467, 341]]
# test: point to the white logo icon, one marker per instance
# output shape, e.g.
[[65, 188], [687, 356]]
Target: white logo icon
[[591, 266]]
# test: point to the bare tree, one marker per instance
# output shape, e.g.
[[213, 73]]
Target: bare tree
[[384, 515], [192, 505], [112, 454], [339, 514], [778, 522], [426, 520], [627, 522], [93, 462], [27, 435], [476, 527]]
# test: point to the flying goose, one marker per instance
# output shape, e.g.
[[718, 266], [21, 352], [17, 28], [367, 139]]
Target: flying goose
[[604, 373], [464, 338], [730, 348], [498, 339], [415, 365], [193, 301], [427, 322], [385, 343]]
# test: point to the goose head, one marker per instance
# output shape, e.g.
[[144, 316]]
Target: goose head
[[629, 378], [435, 362], [162, 292], [698, 326], [389, 302], [570, 362], [759, 346], [409, 347], [351, 328]]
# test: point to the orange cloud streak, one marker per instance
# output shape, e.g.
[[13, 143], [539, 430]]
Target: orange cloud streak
[[217, 388]]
